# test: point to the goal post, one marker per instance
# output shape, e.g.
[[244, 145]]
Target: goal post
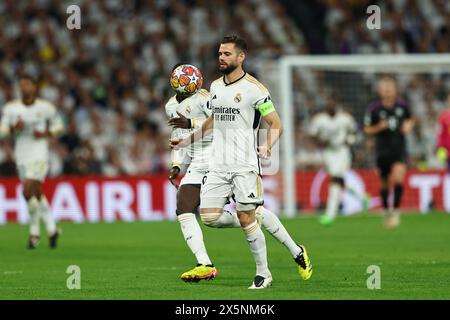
[[362, 64]]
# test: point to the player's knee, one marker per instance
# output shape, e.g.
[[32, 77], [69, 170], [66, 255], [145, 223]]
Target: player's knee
[[185, 207], [246, 218], [210, 219], [27, 194], [338, 180], [28, 191], [400, 173]]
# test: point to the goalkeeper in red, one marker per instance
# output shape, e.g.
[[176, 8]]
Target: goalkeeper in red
[[443, 138], [238, 101]]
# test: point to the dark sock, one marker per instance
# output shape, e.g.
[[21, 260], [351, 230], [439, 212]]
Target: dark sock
[[398, 191], [384, 198]]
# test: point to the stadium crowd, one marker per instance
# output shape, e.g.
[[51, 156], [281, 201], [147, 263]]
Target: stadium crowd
[[110, 80]]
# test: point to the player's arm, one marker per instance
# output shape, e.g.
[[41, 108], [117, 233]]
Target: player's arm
[[318, 141], [373, 124], [54, 125], [193, 123], [5, 126], [204, 130], [270, 115], [182, 122], [8, 126], [178, 158], [351, 132], [314, 133], [409, 123]]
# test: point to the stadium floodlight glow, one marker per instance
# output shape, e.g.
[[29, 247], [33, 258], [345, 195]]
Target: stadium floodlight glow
[[370, 63]]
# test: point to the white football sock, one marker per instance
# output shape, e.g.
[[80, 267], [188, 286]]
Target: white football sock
[[225, 219], [257, 242], [47, 217], [33, 211], [194, 237], [334, 198], [274, 226]]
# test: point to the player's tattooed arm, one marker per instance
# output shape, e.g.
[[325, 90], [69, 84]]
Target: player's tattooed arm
[[273, 134]]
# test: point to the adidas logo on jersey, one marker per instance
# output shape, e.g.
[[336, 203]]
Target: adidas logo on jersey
[[251, 195]]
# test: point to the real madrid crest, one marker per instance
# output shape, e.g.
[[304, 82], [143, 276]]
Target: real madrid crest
[[237, 98]]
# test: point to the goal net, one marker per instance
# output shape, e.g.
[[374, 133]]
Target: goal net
[[300, 87]]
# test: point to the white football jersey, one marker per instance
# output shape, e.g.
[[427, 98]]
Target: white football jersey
[[198, 109], [333, 129], [236, 122], [40, 115]]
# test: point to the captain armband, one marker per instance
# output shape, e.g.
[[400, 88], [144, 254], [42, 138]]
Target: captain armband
[[266, 108]]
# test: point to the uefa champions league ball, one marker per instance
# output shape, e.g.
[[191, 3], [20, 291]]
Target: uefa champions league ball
[[186, 80]]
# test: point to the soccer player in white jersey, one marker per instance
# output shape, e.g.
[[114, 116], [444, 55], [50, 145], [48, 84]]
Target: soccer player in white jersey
[[334, 131], [238, 101], [31, 121], [187, 113]]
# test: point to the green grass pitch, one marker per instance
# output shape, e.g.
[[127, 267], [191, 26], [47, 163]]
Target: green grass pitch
[[145, 260]]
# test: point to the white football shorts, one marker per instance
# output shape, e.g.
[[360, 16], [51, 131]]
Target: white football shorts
[[34, 170], [246, 187], [193, 176], [337, 162]]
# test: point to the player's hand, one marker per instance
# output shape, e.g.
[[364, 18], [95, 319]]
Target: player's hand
[[264, 152], [180, 122], [19, 124], [177, 143], [173, 176], [382, 125], [407, 127], [40, 134], [322, 143]]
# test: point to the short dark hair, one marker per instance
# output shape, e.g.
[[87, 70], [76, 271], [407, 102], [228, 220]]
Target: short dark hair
[[29, 77], [238, 42]]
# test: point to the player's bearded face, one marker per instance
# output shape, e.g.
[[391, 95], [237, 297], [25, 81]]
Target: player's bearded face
[[228, 58]]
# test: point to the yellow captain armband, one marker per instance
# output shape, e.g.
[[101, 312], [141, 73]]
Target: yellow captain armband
[[266, 108]]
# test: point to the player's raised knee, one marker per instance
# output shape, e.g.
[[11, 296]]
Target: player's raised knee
[[210, 218]]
